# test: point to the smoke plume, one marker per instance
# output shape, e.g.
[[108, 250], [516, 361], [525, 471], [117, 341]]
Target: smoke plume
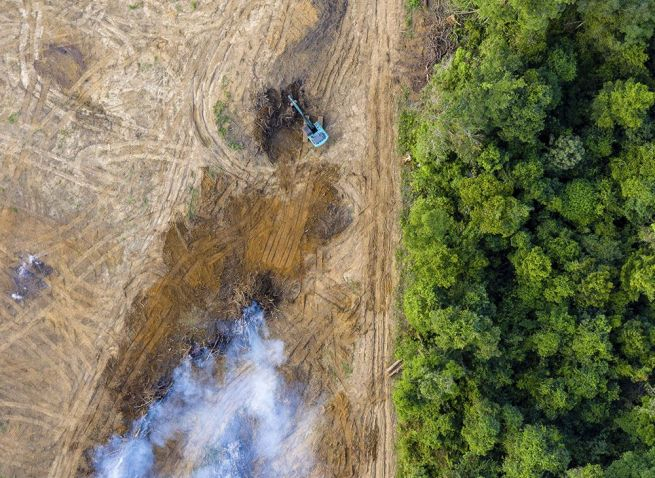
[[250, 423], [29, 277]]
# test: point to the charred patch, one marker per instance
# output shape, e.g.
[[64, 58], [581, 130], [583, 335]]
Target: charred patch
[[301, 57], [62, 63], [329, 23]]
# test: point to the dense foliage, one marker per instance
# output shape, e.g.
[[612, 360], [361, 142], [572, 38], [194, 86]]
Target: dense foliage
[[529, 247]]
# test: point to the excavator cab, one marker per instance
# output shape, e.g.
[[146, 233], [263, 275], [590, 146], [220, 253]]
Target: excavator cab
[[314, 131]]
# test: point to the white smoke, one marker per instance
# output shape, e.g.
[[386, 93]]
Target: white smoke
[[29, 277], [249, 424]]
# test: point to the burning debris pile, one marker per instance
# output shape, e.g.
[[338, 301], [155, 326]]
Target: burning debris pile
[[29, 277], [249, 423]]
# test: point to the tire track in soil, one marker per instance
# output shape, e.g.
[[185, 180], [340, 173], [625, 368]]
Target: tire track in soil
[[106, 251]]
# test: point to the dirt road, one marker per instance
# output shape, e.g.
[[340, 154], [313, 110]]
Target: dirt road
[[155, 222]]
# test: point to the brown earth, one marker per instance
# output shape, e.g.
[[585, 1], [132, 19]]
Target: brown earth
[[156, 223]]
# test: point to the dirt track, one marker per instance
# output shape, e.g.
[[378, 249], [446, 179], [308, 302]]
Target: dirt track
[[111, 126]]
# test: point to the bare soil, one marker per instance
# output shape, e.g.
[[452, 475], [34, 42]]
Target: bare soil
[[157, 226]]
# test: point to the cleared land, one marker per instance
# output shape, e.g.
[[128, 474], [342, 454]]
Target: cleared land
[[156, 222]]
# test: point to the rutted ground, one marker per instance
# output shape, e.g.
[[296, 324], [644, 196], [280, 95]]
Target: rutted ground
[[107, 114]]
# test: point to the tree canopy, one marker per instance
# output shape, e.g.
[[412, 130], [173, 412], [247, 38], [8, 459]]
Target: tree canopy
[[529, 247]]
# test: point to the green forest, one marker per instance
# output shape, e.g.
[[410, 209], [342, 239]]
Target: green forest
[[529, 246]]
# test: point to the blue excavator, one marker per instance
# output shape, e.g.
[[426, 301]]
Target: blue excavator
[[314, 131]]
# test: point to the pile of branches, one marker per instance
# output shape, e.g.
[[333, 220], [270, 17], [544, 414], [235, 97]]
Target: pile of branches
[[273, 112], [440, 33], [441, 36]]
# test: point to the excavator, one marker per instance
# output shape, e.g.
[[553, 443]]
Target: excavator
[[314, 131]]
